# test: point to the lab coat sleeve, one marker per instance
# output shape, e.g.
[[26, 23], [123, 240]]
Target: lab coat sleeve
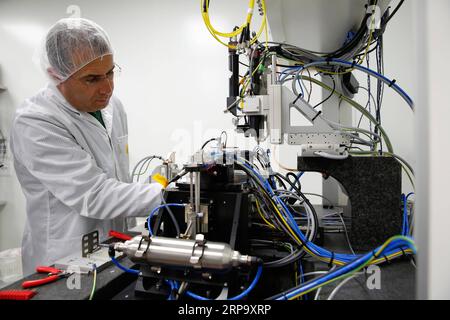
[[52, 155]]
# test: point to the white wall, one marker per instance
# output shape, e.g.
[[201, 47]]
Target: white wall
[[174, 81], [433, 26]]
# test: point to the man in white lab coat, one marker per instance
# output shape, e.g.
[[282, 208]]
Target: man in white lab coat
[[70, 148]]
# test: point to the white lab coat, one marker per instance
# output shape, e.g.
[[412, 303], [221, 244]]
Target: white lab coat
[[74, 174]]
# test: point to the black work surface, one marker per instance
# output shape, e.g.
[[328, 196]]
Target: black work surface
[[397, 282], [109, 281], [398, 278]]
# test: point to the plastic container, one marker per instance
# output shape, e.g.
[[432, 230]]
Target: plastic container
[[10, 266]]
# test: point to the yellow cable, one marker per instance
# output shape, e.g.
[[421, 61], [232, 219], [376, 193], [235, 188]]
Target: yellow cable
[[266, 32], [371, 261], [294, 235], [262, 216], [216, 34], [251, 7], [235, 33], [323, 259]]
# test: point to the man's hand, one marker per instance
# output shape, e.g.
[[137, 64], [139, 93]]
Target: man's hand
[[161, 180]]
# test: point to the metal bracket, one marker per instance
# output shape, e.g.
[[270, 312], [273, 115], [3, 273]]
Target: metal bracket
[[89, 243]]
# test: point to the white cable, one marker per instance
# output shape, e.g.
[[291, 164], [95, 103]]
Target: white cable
[[315, 273], [317, 297], [331, 156], [336, 290], [308, 210], [336, 125], [320, 196]]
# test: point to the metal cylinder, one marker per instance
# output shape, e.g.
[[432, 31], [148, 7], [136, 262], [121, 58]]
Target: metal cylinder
[[198, 253], [197, 192], [191, 190]]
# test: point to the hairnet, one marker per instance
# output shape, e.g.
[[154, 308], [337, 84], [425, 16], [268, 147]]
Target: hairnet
[[71, 44]]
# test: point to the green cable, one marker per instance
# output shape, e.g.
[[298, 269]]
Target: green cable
[[357, 269], [94, 284], [356, 106], [373, 120], [405, 165]]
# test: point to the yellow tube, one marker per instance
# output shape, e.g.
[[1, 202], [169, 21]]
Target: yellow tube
[[216, 34]]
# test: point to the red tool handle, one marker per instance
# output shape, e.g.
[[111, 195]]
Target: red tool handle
[[119, 235], [48, 270], [17, 294], [40, 282]]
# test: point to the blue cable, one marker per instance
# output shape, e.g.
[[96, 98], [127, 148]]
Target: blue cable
[[299, 175], [361, 68], [406, 230], [238, 297], [196, 297], [346, 258], [121, 267], [411, 103], [173, 286], [352, 260], [156, 209], [301, 87], [285, 72], [409, 195], [367, 70], [302, 277], [298, 80], [396, 244], [405, 227]]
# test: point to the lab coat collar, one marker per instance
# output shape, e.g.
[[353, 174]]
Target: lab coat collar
[[55, 93], [107, 113]]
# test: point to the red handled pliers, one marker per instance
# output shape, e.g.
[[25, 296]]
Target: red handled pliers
[[53, 275]]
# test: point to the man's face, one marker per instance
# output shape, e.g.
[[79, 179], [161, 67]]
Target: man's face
[[91, 87]]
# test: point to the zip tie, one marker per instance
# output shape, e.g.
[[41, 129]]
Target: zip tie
[[403, 252], [298, 97], [318, 114], [331, 261], [140, 243], [148, 245], [374, 255], [392, 83]]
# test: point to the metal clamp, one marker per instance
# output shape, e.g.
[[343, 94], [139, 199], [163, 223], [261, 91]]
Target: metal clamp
[[139, 252], [200, 242]]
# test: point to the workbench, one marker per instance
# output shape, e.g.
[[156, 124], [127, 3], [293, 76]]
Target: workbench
[[397, 282]]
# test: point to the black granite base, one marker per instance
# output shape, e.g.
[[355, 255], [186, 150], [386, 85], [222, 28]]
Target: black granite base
[[374, 186]]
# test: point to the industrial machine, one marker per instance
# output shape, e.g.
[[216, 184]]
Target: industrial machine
[[230, 226]]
